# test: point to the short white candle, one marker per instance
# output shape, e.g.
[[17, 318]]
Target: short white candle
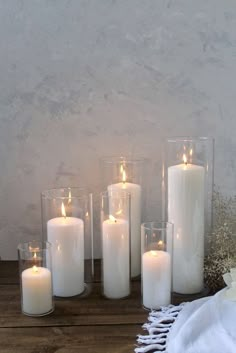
[[116, 267], [36, 291], [66, 234], [186, 212], [135, 216], [156, 279]]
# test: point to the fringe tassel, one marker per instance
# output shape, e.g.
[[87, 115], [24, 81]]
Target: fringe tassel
[[158, 327]]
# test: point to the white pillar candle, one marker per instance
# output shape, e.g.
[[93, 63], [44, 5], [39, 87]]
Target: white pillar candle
[[36, 290], [186, 212], [156, 279], [116, 267], [135, 217], [66, 234]]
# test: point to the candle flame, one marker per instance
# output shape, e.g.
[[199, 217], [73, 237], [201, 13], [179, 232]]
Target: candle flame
[[112, 218], [69, 197], [153, 253], [185, 159], [191, 152], [63, 210], [35, 269], [124, 176], [35, 256]]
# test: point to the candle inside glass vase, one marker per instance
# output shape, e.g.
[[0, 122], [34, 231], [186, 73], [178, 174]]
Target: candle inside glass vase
[[135, 192], [67, 219], [116, 276], [35, 278], [66, 234], [156, 264], [115, 237], [36, 291], [186, 186]]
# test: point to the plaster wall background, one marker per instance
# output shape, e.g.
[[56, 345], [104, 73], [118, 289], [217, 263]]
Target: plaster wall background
[[81, 79]]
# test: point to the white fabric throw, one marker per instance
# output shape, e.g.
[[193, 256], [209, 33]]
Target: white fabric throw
[[202, 326]]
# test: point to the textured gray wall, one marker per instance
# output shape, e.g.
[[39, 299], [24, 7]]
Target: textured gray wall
[[81, 79]]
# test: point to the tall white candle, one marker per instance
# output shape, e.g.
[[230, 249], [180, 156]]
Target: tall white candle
[[66, 234], [36, 291], [135, 216], [156, 279], [186, 212], [116, 267]]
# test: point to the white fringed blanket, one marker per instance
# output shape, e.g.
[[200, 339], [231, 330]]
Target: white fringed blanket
[[202, 326]]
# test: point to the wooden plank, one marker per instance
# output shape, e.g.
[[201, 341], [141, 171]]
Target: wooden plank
[[94, 309], [89, 339], [90, 324]]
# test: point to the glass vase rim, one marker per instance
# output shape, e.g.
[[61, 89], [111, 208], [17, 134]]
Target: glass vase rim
[[174, 139], [45, 194], [110, 159], [25, 246], [123, 194], [158, 225]]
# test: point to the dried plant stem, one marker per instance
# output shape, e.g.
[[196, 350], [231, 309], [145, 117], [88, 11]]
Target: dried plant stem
[[221, 242]]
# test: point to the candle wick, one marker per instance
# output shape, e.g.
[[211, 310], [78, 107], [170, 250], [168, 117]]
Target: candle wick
[[185, 159]]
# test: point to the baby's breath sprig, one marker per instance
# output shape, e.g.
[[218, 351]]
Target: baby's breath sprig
[[221, 243]]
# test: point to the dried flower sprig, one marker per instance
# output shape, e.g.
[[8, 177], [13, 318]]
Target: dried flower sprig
[[221, 243]]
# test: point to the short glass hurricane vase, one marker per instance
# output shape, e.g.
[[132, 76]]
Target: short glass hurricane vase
[[35, 268], [157, 254]]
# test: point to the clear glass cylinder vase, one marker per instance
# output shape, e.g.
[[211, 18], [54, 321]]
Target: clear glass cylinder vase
[[128, 174], [35, 268], [156, 264], [187, 203], [115, 240], [67, 221]]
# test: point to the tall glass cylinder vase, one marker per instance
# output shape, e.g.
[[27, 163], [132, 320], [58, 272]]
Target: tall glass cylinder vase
[[125, 174], [115, 239], [68, 225], [187, 199]]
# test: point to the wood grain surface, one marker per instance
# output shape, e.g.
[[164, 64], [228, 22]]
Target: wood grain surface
[[92, 324]]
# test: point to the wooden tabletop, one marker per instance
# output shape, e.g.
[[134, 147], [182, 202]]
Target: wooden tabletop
[[93, 324]]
